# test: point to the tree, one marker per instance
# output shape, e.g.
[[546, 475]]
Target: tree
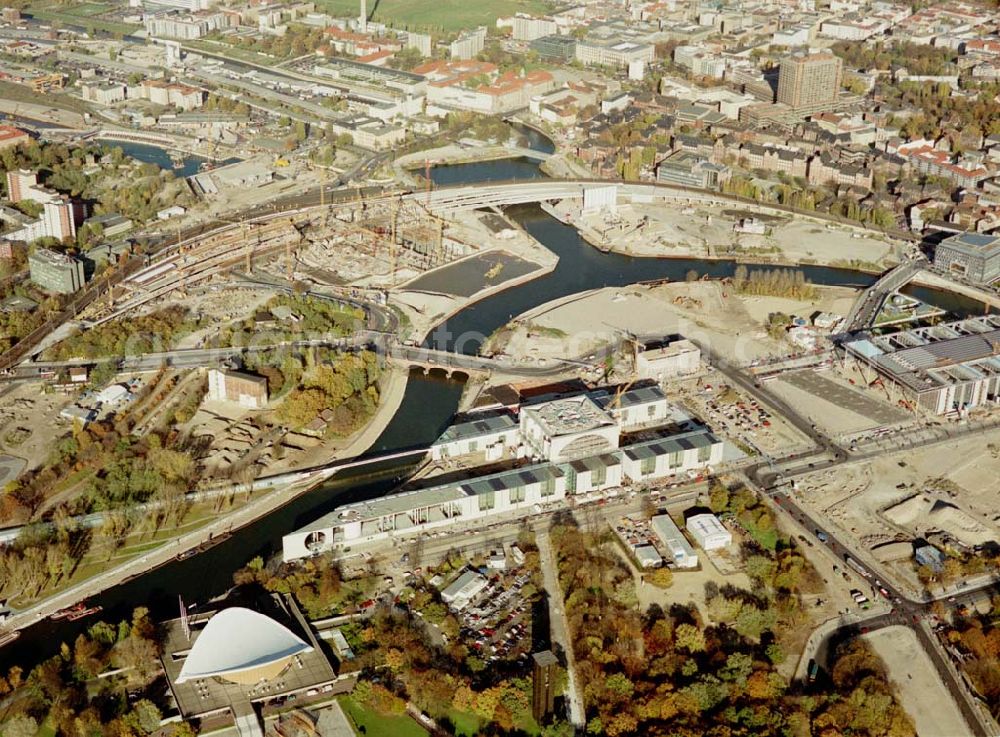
[[20, 725], [690, 638], [145, 716]]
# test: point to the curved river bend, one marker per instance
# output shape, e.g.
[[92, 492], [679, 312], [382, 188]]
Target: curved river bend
[[427, 407]]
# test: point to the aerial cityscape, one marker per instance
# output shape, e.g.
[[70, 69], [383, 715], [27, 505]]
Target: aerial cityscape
[[537, 368]]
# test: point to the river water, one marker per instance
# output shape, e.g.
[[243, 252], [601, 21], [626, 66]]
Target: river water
[[427, 407]]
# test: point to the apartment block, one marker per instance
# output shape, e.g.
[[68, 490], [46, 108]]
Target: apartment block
[[55, 272], [809, 80]]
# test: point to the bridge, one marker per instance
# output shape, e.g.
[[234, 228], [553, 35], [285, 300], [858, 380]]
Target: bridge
[[870, 302], [433, 358], [383, 343]]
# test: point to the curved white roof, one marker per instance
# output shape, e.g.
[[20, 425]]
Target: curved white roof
[[237, 640]]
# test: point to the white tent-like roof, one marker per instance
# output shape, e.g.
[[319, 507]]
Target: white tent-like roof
[[242, 646]]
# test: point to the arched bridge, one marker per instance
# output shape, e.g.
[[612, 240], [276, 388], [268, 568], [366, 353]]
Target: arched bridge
[[433, 358]]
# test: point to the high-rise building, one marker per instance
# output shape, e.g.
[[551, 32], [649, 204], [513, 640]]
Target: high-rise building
[[55, 272], [59, 215], [468, 45], [809, 80], [543, 684]]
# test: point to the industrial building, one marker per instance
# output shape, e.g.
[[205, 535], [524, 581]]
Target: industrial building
[[463, 590], [939, 369], [55, 272], [678, 549], [708, 532], [973, 256], [245, 390]]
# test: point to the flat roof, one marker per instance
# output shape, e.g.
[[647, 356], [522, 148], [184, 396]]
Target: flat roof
[[514, 479], [477, 427], [976, 244], [569, 416], [706, 525], [927, 358], [636, 397], [666, 446]]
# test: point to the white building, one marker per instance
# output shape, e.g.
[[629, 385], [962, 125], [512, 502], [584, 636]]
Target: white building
[[613, 52], [708, 532], [492, 435], [419, 41], [647, 556], [463, 590], [676, 546], [568, 428], [578, 440], [103, 93], [668, 360], [241, 646], [645, 406], [685, 453], [468, 45], [527, 28], [245, 390]]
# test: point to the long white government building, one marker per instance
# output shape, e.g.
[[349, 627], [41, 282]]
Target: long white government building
[[572, 445]]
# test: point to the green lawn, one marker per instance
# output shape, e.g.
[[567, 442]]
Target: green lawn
[[435, 15], [466, 725], [83, 14], [370, 724]]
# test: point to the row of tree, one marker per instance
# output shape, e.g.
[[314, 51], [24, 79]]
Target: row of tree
[[790, 283]]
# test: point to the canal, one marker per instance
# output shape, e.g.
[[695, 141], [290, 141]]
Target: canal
[[427, 408]]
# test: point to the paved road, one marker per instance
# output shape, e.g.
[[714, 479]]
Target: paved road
[[560, 628]]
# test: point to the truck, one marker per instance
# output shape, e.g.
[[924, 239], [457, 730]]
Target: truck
[[860, 599], [813, 670], [856, 566]]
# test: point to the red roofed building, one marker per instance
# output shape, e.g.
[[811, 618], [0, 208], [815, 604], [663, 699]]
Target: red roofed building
[[983, 46], [11, 136], [928, 160], [477, 86]]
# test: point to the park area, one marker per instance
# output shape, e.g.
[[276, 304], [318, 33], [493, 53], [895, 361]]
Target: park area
[[443, 16]]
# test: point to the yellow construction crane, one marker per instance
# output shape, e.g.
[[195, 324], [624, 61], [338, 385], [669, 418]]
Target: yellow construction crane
[[635, 346]]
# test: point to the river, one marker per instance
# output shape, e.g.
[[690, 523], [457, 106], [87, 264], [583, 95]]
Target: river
[[428, 406], [152, 154]]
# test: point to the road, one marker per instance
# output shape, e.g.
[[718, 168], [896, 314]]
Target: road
[[560, 628], [769, 479]]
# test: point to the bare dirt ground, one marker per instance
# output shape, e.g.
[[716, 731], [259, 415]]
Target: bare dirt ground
[[733, 325], [706, 230], [950, 488], [30, 423], [921, 692]]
